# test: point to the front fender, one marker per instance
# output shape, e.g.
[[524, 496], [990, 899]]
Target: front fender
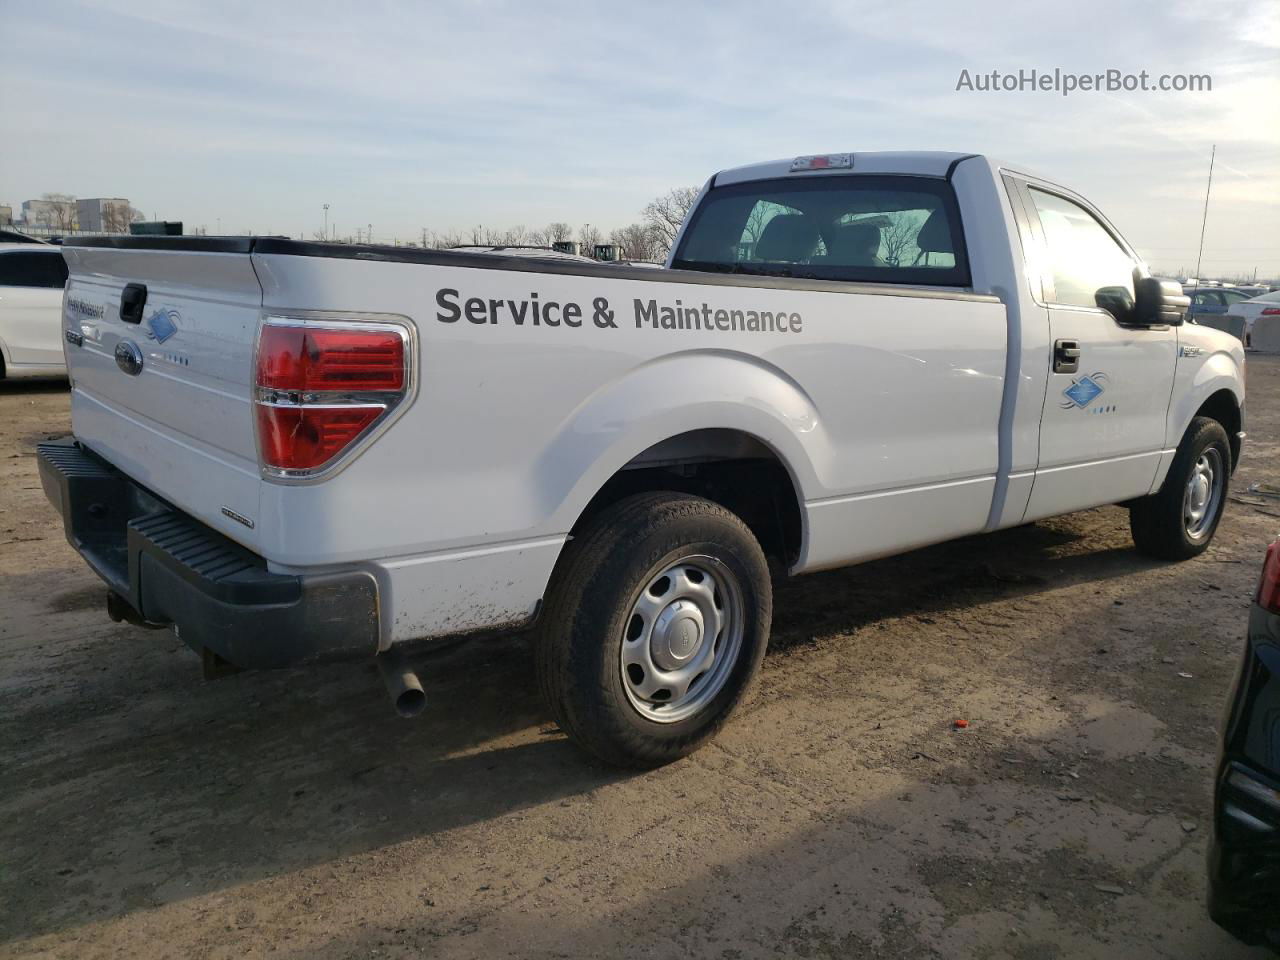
[[669, 396], [1222, 368]]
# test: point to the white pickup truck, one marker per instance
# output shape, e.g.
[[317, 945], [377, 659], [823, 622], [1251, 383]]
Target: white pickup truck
[[293, 451]]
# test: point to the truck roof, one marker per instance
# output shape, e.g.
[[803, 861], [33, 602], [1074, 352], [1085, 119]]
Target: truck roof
[[925, 163]]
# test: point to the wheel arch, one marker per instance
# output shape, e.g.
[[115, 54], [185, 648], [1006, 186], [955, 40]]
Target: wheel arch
[[1215, 388], [733, 468], [709, 422], [1223, 407]]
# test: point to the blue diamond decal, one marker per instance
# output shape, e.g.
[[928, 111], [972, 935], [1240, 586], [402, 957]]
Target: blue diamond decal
[[162, 325], [1082, 391]]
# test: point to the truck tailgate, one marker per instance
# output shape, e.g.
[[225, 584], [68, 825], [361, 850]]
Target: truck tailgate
[[181, 424]]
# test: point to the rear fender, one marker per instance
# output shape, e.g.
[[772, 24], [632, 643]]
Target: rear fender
[[674, 395]]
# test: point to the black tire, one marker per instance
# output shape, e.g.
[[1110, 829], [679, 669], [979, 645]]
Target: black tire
[[1157, 522], [589, 607]]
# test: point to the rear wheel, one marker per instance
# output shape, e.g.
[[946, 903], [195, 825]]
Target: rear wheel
[[1178, 521], [656, 622]]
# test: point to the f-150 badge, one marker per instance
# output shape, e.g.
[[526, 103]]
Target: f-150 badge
[[163, 324]]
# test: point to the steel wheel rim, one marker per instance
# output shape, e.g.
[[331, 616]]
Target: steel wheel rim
[[682, 638], [1203, 494]]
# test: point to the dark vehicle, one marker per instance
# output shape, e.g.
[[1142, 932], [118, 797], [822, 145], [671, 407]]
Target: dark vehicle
[[8, 235], [1244, 859]]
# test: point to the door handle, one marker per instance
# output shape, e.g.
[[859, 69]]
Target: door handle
[[1066, 356]]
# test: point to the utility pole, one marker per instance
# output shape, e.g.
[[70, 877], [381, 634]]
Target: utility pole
[[369, 237], [424, 238], [326, 221]]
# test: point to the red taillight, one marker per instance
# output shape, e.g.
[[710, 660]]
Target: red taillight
[[1271, 312], [308, 359], [319, 387], [1269, 587]]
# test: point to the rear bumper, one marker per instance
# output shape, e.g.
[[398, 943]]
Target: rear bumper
[[171, 569]]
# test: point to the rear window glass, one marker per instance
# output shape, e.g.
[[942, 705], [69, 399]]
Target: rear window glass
[[23, 269], [866, 229]]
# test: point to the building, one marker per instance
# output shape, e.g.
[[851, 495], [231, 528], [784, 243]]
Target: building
[[104, 214], [49, 213], [6, 215]]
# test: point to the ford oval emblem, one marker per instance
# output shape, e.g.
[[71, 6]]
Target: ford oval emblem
[[129, 357]]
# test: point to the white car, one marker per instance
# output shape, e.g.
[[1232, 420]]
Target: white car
[[295, 452], [32, 276], [1267, 305]]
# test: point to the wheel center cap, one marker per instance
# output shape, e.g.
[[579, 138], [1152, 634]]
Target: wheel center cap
[[1200, 492], [677, 635]]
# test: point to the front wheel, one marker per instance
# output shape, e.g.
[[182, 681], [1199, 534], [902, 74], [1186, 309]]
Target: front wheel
[[1178, 521], [655, 624]]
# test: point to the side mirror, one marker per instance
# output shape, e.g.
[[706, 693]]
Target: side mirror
[[1117, 301], [1159, 302]]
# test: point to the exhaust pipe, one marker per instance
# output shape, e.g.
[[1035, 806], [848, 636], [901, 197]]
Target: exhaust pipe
[[120, 611], [402, 683]]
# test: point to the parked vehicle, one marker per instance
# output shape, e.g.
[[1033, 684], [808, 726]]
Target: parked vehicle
[[32, 276], [1216, 300], [294, 451], [9, 235], [1266, 305], [1244, 858], [1253, 290]]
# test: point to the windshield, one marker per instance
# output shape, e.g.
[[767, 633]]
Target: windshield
[[870, 229]]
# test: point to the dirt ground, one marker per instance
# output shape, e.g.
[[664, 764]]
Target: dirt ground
[[147, 813]]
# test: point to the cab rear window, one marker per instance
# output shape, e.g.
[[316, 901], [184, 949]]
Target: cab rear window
[[901, 230]]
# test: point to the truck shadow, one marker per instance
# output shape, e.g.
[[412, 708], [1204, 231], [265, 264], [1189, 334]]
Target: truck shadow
[[133, 783], [953, 577]]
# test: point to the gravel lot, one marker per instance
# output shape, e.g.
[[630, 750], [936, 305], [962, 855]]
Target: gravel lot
[[146, 813]]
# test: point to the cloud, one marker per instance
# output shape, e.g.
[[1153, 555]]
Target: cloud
[[446, 115]]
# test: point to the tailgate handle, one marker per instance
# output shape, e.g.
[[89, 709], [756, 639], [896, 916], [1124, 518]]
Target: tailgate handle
[[132, 299]]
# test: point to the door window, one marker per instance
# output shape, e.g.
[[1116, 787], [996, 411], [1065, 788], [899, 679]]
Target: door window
[[1088, 267], [23, 269]]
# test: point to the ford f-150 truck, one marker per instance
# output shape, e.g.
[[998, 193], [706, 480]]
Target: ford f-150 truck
[[293, 451]]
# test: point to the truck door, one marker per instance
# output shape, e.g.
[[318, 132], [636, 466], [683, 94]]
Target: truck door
[[1103, 425]]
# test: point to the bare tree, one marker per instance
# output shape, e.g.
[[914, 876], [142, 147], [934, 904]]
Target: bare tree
[[62, 211], [898, 235], [116, 217], [511, 237], [588, 237], [637, 241], [757, 220], [665, 214], [558, 232]]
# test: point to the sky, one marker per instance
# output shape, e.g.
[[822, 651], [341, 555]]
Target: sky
[[250, 116]]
